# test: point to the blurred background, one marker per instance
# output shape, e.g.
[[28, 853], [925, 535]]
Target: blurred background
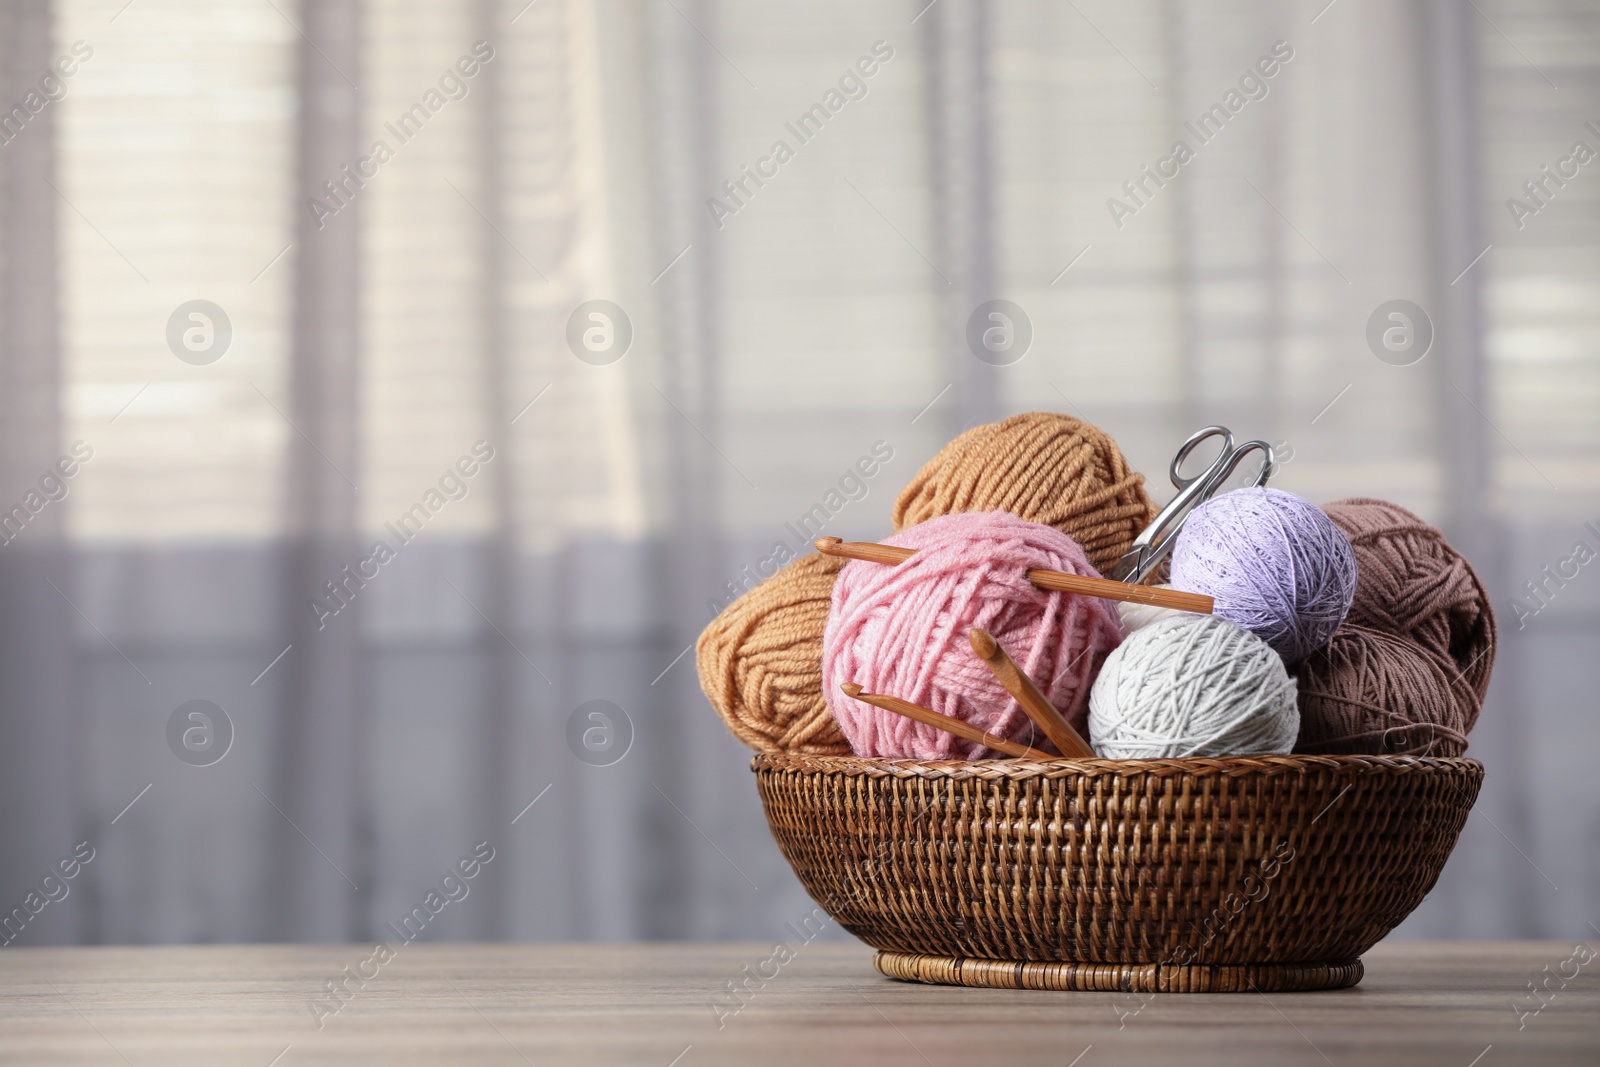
[[260, 344]]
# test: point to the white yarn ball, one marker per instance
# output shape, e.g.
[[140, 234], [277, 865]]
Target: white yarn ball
[[1193, 685], [1137, 616]]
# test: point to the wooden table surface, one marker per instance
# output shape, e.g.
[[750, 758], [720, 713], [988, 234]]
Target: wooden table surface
[[1450, 1004]]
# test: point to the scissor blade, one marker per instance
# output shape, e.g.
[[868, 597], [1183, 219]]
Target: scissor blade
[[1127, 566]]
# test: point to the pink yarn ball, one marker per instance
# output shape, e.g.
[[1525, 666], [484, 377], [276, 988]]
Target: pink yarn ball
[[902, 631]]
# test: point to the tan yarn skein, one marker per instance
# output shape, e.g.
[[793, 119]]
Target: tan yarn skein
[[760, 660], [1047, 468]]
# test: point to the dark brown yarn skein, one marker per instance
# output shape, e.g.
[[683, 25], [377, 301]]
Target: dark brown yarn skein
[[1412, 584], [1371, 693], [760, 660]]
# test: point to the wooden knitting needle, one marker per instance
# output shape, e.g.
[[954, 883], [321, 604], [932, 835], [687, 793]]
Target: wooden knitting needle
[[945, 723], [1036, 704], [1055, 581]]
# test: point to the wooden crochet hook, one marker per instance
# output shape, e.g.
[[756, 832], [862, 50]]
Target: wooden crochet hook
[[1055, 581], [944, 722], [1036, 704]]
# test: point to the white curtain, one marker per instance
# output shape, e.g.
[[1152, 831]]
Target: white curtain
[[398, 310]]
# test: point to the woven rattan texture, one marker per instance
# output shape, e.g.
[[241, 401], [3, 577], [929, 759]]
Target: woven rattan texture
[[1184, 863], [1118, 977]]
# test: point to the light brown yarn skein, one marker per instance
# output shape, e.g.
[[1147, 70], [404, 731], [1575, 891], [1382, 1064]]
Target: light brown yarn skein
[[760, 660], [1046, 468]]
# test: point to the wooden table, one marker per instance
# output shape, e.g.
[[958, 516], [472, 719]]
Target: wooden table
[[1421, 1003]]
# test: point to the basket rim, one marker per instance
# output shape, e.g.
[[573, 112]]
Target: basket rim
[[1194, 766]]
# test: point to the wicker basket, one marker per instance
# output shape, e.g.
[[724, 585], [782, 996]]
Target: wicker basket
[[1181, 875]]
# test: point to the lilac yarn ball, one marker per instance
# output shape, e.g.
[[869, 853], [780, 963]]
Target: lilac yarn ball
[[1275, 564]]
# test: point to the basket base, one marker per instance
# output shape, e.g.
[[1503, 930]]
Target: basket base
[[1118, 977]]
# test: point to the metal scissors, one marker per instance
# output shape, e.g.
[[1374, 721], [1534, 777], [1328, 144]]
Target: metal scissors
[[1156, 540]]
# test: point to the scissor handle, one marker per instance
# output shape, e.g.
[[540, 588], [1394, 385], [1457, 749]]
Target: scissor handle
[[1214, 468], [1156, 540], [1268, 460]]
